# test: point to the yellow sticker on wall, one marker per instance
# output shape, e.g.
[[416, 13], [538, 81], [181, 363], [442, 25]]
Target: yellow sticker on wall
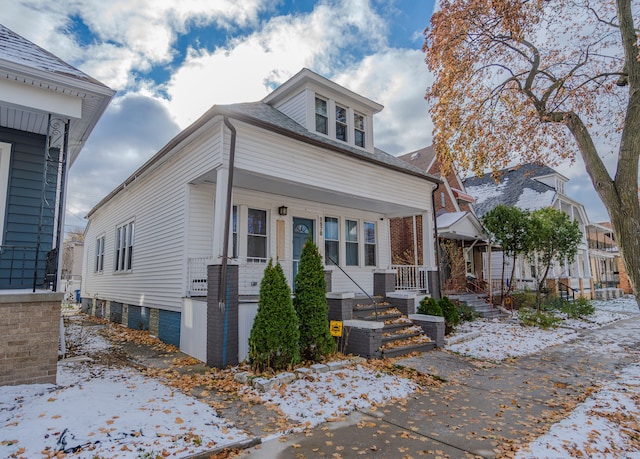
[[335, 326]]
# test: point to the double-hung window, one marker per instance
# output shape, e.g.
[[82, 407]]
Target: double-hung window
[[331, 241], [351, 242], [322, 116], [124, 247], [341, 123], [256, 235], [235, 232], [369, 243], [99, 267], [358, 130]]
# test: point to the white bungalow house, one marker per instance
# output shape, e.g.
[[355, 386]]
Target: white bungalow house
[[532, 187], [245, 183]]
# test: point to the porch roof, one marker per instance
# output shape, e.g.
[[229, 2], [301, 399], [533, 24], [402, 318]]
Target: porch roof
[[24, 65], [460, 225]]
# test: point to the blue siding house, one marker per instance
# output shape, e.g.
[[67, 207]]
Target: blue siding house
[[47, 110]]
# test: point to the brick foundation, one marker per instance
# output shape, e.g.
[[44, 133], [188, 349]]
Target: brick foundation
[[29, 337]]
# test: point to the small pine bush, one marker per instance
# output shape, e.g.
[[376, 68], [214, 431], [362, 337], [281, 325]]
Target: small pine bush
[[579, 308], [273, 342], [450, 313], [310, 304], [466, 313], [430, 307], [542, 319]]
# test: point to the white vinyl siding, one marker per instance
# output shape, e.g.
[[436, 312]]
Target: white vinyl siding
[[159, 201], [295, 108], [265, 154]]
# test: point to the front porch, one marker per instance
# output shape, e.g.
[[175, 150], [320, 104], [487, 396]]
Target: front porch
[[406, 278]]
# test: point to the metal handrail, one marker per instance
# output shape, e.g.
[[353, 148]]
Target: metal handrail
[[478, 288], [375, 304], [566, 289]]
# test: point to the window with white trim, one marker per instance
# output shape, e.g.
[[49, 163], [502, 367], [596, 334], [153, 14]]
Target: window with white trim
[[351, 242], [124, 247], [256, 235], [99, 266], [358, 129], [322, 116], [341, 123], [369, 243], [235, 232], [5, 161], [331, 241]]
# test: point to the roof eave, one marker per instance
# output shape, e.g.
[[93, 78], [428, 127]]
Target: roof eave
[[218, 110]]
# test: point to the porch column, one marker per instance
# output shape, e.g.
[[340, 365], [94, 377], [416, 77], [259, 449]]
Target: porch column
[[429, 241], [219, 210], [222, 323]]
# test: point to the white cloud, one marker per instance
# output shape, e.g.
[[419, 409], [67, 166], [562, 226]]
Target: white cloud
[[398, 79], [132, 35], [246, 69]]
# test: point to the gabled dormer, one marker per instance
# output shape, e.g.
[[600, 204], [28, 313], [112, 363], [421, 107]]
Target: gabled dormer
[[554, 180], [327, 109]]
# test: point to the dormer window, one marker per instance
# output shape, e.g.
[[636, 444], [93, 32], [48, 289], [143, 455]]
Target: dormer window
[[322, 119], [358, 129], [341, 123]]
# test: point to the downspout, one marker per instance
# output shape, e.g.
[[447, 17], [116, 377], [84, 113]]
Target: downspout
[[436, 244], [222, 290]]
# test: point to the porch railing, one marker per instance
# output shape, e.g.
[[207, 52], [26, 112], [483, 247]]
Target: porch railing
[[250, 274], [411, 277], [197, 275]]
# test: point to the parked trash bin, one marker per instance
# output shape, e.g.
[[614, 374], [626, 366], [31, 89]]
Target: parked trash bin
[[77, 296]]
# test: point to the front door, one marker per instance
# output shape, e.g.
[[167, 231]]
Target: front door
[[302, 230]]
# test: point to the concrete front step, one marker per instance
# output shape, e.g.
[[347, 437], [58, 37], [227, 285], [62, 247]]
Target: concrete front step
[[404, 350]]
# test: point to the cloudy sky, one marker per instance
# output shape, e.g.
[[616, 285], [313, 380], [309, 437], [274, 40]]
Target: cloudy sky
[[170, 61]]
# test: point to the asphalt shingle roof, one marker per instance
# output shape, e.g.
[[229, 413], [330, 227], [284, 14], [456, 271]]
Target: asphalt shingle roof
[[273, 116], [17, 49], [517, 187]]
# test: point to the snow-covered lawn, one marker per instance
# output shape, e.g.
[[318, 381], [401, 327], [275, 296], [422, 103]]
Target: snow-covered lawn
[[118, 412], [496, 341]]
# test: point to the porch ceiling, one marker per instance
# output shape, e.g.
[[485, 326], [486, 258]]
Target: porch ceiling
[[287, 189]]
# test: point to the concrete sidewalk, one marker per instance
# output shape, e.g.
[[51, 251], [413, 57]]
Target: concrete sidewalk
[[482, 410]]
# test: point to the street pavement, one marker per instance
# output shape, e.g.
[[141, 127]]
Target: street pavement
[[482, 410]]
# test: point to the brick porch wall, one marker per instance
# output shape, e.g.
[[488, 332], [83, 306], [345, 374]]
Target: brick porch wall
[[29, 337]]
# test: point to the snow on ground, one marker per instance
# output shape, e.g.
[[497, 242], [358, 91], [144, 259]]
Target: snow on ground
[[118, 413], [496, 341], [337, 393], [604, 426]]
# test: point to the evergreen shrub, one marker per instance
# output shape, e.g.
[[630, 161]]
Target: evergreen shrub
[[274, 338], [310, 304]]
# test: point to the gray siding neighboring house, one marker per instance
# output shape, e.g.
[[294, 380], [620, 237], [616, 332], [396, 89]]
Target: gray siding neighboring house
[[48, 108], [531, 187]]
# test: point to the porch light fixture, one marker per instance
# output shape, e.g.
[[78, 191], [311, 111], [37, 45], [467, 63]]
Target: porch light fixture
[[282, 210]]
